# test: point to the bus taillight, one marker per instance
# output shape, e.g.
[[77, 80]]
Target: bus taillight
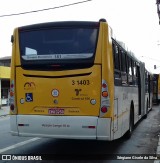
[[105, 100], [12, 107], [11, 94], [104, 93], [104, 109], [104, 85]]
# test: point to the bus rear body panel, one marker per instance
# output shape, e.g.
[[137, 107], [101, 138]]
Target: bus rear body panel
[[57, 93]]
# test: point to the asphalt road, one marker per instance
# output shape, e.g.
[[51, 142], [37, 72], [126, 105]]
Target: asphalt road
[[143, 141]]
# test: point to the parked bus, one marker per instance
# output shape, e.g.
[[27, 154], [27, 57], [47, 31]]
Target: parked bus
[[156, 88], [148, 90], [74, 80]]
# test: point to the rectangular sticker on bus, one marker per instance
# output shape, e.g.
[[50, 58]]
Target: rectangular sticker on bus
[[55, 111]]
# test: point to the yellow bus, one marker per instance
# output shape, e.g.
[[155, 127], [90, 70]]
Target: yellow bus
[[156, 88], [148, 91], [74, 80]]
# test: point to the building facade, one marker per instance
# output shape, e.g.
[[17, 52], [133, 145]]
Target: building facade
[[5, 80]]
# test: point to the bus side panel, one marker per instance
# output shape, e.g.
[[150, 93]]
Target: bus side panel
[[104, 129], [159, 88], [123, 97], [118, 103]]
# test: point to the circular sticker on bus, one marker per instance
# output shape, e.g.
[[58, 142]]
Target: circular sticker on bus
[[55, 93], [22, 100]]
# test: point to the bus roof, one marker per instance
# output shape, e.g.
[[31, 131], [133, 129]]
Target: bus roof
[[59, 24]]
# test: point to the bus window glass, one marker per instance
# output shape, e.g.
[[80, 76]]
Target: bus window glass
[[133, 72], [117, 72], [58, 45], [146, 82], [123, 67], [29, 51], [130, 80], [116, 58]]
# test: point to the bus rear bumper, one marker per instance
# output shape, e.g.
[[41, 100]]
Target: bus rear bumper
[[66, 127]]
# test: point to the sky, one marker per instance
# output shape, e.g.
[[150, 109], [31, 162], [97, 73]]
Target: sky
[[133, 22]]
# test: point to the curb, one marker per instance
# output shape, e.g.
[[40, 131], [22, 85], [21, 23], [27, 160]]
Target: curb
[[4, 115]]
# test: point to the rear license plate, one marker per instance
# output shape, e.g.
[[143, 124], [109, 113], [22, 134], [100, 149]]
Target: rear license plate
[[56, 111]]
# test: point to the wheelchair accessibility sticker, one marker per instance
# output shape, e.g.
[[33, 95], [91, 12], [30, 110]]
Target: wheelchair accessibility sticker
[[29, 97]]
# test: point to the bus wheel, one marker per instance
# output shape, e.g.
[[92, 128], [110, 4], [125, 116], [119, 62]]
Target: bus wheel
[[131, 124]]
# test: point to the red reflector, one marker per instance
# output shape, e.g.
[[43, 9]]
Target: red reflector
[[104, 109], [20, 124], [91, 126], [104, 85], [12, 107]]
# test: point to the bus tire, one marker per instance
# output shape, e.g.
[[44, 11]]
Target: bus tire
[[131, 124]]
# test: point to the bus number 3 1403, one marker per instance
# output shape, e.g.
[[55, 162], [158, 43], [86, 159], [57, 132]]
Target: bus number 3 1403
[[80, 82]]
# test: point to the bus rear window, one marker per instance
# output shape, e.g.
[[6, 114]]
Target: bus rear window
[[57, 45]]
